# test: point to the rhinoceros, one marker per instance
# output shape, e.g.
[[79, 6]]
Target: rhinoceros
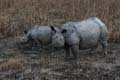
[[44, 35], [85, 34]]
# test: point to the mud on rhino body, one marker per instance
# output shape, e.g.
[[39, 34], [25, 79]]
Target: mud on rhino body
[[84, 35], [44, 35]]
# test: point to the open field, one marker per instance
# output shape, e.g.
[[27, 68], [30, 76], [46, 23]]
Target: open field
[[26, 62], [16, 15]]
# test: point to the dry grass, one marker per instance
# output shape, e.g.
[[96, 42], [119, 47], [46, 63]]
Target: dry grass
[[16, 15], [11, 65]]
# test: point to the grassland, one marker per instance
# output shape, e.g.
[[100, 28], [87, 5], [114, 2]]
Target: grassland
[[17, 15]]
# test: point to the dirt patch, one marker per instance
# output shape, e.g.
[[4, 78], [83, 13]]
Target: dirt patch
[[28, 62]]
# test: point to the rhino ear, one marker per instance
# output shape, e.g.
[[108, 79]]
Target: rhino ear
[[64, 31], [25, 31], [52, 28]]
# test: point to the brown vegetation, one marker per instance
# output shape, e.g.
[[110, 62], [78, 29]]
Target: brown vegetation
[[16, 15], [11, 65]]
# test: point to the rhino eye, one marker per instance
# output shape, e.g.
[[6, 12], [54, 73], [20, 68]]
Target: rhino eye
[[61, 39], [72, 30], [56, 36]]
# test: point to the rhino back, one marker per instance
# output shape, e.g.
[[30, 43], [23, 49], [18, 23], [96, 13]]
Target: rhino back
[[42, 34], [89, 32]]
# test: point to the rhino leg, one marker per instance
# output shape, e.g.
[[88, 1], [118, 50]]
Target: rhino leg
[[103, 39], [93, 49], [75, 51], [67, 50], [104, 47]]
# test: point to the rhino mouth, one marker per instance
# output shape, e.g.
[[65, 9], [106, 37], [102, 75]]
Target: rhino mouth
[[27, 40]]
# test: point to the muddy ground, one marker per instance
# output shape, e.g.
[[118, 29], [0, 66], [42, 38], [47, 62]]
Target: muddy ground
[[23, 62]]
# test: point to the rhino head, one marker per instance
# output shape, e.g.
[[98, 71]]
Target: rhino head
[[57, 37]]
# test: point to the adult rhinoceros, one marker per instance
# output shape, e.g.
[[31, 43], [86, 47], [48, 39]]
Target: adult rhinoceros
[[84, 35]]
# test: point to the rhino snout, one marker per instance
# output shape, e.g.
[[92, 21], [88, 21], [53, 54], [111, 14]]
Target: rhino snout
[[23, 39]]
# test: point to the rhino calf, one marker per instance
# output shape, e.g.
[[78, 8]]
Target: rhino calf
[[84, 35], [44, 35]]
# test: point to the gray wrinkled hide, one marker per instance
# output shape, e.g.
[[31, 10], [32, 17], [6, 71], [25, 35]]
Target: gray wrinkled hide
[[40, 34], [86, 33]]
